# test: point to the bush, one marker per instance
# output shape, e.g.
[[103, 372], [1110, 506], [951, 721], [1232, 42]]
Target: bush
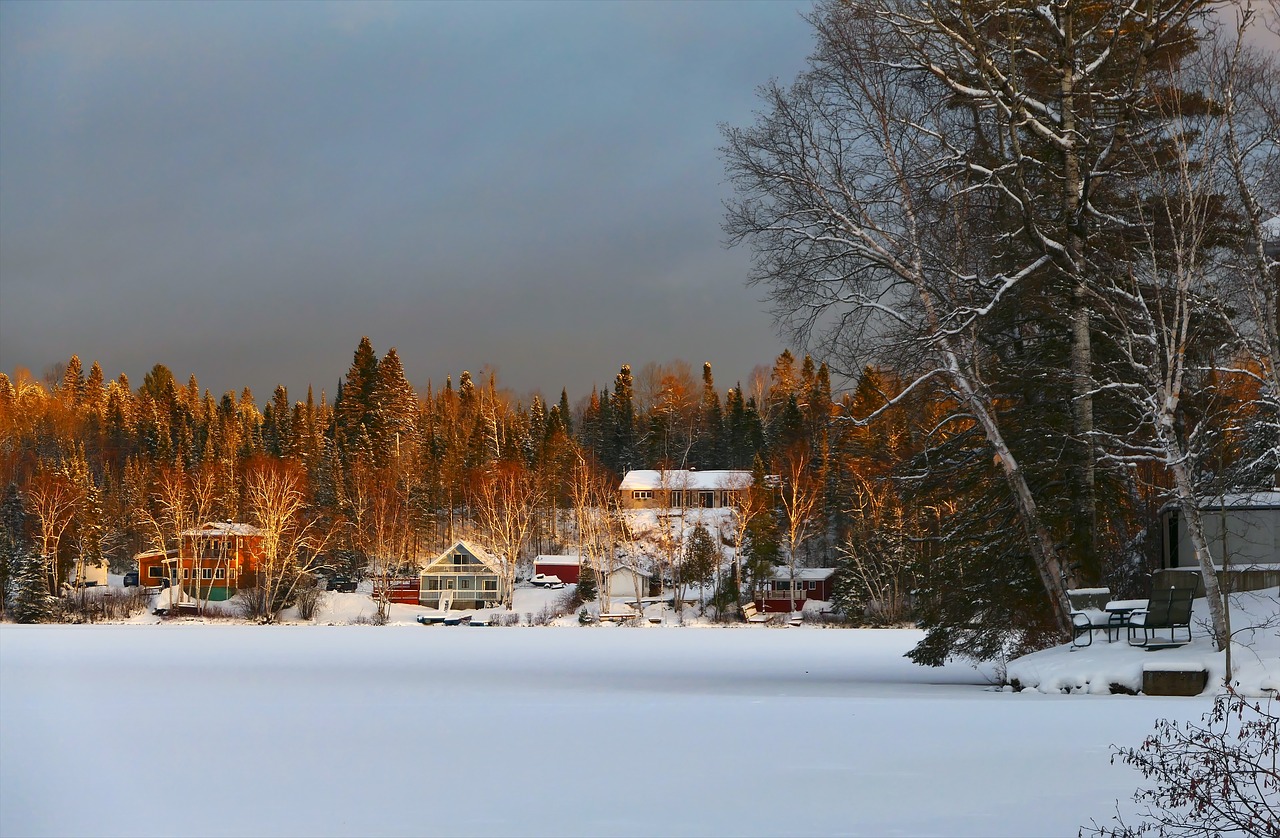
[[94, 604], [1214, 777], [307, 598]]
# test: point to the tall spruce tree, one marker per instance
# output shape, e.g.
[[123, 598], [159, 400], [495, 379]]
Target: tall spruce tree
[[31, 600], [14, 545], [355, 399]]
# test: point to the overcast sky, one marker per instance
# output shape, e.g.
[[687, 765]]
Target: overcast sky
[[241, 191]]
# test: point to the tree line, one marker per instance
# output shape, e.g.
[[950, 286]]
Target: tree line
[[97, 470]]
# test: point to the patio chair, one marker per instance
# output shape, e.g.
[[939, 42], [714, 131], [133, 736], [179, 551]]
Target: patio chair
[[1168, 609], [1088, 614]]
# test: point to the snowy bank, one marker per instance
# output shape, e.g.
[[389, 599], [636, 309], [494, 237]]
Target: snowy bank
[[1104, 667]]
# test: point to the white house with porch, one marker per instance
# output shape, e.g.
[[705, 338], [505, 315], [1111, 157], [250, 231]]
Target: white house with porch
[[466, 571]]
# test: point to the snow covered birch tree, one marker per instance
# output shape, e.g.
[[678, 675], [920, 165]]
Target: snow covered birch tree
[[506, 504], [941, 164], [1244, 82], [291, 541], [855, 200]]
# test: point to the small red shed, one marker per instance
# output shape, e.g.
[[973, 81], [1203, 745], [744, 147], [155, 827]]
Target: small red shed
[[565, 567]]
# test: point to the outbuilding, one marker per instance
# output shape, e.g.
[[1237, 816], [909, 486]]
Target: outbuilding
[[1242, 528], [567, 568], [810, 583], [625, 582]]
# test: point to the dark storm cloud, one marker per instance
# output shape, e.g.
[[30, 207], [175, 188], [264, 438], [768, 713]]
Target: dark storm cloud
[[242, 191]]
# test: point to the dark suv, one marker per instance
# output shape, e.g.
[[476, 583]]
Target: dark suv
[[131, 579], [341, 583]]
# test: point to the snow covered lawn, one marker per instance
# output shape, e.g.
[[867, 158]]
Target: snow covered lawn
[[402, 730], [1255, 621]]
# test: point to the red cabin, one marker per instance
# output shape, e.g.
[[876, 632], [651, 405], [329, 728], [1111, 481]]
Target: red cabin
[[775, 594]]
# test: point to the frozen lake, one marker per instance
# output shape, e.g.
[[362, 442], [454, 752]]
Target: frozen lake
[[405, 730]]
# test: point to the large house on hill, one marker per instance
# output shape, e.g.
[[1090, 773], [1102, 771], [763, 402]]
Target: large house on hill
[[211, 562], [681, 488]]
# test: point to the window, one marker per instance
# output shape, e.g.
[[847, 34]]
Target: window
[[642, 494], [813, 586], [220, 573], [206, 573], [707, 500], [466, 583], [155, 572], [677, 498], [491, 584], [186, 573]]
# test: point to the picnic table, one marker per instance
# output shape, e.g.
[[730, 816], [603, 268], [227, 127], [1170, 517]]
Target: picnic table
[[1118, 611]]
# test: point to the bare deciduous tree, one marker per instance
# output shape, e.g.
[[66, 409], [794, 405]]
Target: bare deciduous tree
[[507, 498], [53, 498], [291, 539], [798, 494]]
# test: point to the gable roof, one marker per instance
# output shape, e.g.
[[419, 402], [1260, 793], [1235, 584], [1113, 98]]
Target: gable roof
[[688, 479], [479, 553], [214, 529], [559, 560], [806, 574]]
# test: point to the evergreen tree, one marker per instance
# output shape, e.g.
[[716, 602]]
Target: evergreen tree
[[13, 539], [709, 449], [762, 549], [626, 450], [394, 417], [355, 397], [587, 584], [701, 559], [73, 387], [566, 416], [31, 600]]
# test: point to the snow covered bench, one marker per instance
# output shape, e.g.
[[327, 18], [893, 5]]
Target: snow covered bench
[[752, 615]]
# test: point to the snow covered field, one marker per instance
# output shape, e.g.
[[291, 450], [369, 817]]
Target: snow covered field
[[190, 729]]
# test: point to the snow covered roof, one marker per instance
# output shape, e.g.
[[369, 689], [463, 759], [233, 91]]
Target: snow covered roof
[[483, 555], [678, 478], [1272, 227], [217, 528], [559, 561], [806, 574], [1261, 499], [151, 554]]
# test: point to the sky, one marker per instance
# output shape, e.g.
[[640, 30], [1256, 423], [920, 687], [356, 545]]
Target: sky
[[242, 190]]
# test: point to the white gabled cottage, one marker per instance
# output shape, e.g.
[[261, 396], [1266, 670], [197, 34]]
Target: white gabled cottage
[[468, 572], [681, 488]]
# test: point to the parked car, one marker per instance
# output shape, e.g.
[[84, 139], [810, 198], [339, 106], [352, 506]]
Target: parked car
[[341, 583], [131, 579], [543, 580]]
